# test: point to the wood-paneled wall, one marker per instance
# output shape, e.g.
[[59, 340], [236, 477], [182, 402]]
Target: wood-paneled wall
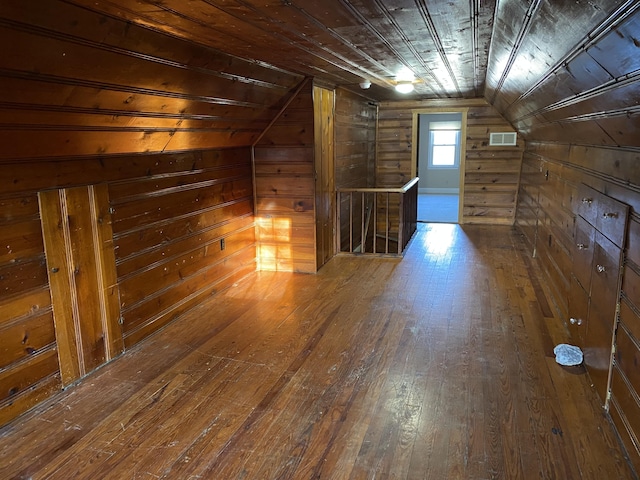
[[355, 140], [29, 370], [547, 205], [285, 189], [578, 113], [324, 100], [90, 99], [491, 173], [547, 213], [181, 237], [355, 155], [170, 215], [78, 83]]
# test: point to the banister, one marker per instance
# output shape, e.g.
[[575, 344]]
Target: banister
[[394, 221], [404, 189]]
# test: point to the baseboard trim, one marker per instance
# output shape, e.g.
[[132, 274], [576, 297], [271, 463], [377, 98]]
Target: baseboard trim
[[442, 191]]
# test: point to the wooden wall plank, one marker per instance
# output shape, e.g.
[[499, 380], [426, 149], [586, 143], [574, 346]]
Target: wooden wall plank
[[325, 184], [81, 264], [107, 286], [355, 139], [27, 334], [555, 171], [202, 200], [81, 83], [491, 174], [55, 239], [285, 175]]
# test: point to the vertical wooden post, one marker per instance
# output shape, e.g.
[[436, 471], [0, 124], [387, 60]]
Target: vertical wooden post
[[323, 107]]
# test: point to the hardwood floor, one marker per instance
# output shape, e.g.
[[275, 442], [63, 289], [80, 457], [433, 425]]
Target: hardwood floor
[[437, 366], [438, 208]]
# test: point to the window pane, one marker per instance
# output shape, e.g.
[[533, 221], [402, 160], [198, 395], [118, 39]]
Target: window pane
[[444, 155], [444, 137]]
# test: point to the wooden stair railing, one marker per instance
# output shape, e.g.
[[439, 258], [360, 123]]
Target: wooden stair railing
[[394, 214]]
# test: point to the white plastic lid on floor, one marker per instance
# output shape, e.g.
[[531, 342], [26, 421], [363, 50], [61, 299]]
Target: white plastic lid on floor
[[568, 355]]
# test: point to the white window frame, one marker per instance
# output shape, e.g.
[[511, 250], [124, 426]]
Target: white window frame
[[432, 144]]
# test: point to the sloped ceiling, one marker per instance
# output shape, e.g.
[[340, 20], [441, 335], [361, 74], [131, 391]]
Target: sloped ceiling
[[445, 44], [527, 57]]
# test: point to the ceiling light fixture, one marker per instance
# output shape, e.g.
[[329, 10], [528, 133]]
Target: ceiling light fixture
[[365, 84], [404, 86]]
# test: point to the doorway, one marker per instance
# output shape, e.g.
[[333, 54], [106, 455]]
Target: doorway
[[440, 139]]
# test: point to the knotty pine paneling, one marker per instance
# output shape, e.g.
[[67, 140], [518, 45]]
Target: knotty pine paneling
[[355, 139], [169, 233], [169, 214], [555, 171], [78, 240], [491, 174], [89, 98], [355, 153], [29, 369], [586, 90], [79, 83], [285, 189]]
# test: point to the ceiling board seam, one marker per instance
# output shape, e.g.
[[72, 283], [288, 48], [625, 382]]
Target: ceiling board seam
[[340, 38], [524, 29], [587, 170], [126, 88], [365, 22], [603, 114], [474, 7], [590, 39], [128, 14], [119, 129], [607, 87], [350, 67], [31, 29], [122, 113], [426, 16]]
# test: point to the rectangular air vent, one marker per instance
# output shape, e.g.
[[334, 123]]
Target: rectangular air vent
[[503, 138]]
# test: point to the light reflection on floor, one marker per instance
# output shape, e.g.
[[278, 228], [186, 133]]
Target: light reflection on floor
[[439, 238]]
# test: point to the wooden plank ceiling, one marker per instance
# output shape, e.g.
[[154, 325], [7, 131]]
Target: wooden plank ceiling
[[466, 49], [444, 44]]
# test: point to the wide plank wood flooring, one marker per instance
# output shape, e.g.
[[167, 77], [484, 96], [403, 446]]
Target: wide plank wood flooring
[[436, 366]]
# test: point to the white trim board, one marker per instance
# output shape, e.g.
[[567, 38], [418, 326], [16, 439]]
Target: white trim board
[[441, 191]]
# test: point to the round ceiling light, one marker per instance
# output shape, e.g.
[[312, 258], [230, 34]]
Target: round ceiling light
[[404, 87]]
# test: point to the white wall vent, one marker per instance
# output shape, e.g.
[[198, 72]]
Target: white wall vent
[[503, 138]]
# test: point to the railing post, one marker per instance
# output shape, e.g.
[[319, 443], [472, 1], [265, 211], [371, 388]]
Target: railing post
[[386, 237], [401, 223], [375, 223], [350, 222], [362, 210], [339, 222]]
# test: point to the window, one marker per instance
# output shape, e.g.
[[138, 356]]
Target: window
[[443, 145]]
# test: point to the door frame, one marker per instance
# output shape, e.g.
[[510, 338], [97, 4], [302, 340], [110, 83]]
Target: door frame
[[463, 146]]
